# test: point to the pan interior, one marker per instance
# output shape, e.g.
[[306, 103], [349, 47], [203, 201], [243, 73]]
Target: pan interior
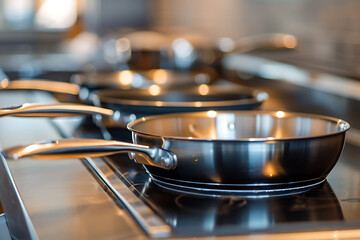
[[241, 125]]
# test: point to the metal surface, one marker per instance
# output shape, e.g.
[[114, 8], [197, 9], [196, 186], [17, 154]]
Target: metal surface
[[153, 225], [52, 110], [132, 104], [243, 151], [248, 66], [80, 148], [17, 218], [191, 98], [4, 231], [82, 84], [42, 85]]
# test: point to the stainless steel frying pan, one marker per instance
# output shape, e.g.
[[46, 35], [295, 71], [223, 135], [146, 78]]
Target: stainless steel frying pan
[[127, 105], [223, 151]]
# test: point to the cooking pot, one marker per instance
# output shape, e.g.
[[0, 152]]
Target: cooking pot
[[221, 151]]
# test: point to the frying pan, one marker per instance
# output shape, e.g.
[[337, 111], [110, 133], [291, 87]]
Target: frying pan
[[129, 104], [136, 103], [220, 151], [82, 84]]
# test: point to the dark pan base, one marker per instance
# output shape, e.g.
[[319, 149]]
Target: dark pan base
[[239, 190]]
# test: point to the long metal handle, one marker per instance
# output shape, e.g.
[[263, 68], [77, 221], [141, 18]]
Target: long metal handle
[[53, 110], [80, 148], [39, 84]]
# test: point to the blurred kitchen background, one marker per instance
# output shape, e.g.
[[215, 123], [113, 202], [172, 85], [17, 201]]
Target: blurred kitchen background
[[36, 35]]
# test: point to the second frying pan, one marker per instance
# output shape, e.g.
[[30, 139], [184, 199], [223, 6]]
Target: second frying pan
[[136, 103], [128, 105]]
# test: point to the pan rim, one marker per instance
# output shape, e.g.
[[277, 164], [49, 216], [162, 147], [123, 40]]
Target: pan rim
[[132, 124], [257, 97]]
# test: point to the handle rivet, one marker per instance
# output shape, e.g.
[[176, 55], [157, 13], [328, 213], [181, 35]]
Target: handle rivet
[[165, 161]]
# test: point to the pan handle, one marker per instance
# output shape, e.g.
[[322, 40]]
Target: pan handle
[[53, 110], [80, 148], [42, 85]]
